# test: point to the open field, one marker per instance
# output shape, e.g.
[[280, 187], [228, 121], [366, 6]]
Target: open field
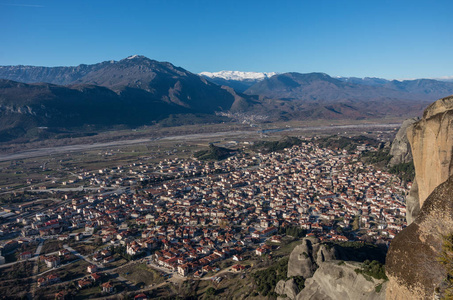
[[186, 133], [140, 274]]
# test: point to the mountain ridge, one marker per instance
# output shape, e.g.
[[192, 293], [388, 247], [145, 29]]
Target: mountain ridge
[[320, 86], [139, 91]]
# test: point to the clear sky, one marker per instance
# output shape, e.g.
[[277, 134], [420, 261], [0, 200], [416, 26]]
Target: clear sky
[[389, 39]]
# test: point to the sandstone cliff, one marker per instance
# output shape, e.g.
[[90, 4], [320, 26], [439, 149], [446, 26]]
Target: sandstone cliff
[[400, 149], [431, 141], [412, 262], [338, 280]]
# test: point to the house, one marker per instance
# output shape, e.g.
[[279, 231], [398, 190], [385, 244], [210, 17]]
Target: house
[[52, 261], [237, 268], [92, 269], [42, 281], [95, 277], [141, 297], [83, 283], [25, 255], [63, 252], [237, 257], [276, 239], [62, 295], [97, 257], [53, 278], [198, 274], [109, 259], [107, 287], [183, 270], [262, 250]]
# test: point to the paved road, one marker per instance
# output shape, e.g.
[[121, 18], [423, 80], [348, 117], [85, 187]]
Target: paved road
[[38, 250], [35, 257]]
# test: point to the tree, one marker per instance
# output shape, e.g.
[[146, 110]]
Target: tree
[[210, 291]]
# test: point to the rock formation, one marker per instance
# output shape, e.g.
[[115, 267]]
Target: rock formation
[[400, 150], [412, 261], [338, 280], [305, 258], [412, 203], [431, 141], [288, 288]]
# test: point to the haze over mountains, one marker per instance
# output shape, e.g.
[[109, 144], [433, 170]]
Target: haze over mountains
[[139, 91]]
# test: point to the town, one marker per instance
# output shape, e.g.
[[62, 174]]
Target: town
[[184, 216]]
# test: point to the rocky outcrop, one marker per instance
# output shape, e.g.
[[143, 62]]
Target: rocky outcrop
[[287, 288], [305, 258], [400, 149], [431, 141], [412, 261], [412, 203], [338, 280]]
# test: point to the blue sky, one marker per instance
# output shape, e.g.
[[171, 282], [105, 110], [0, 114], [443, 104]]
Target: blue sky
[[389, 39]]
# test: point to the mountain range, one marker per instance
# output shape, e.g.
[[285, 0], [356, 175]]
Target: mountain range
[[238, 80], [139, 91]]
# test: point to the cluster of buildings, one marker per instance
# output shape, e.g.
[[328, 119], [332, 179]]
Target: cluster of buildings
[[192, 214]]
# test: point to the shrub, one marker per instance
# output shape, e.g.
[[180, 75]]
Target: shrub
[[267, 279], [374, 269]]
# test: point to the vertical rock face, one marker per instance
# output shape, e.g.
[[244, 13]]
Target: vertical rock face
[[431, 141], [400, 150], [412, 261]]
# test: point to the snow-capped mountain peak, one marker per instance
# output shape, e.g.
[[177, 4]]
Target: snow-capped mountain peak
[[239, 75], [134, 56]]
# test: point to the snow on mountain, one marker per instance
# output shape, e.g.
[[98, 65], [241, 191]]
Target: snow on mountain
[[238, 75], [135, 56]]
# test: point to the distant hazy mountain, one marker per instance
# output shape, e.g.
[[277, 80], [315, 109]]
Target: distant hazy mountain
[[240, 81], [365, 81], [322, 87]]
